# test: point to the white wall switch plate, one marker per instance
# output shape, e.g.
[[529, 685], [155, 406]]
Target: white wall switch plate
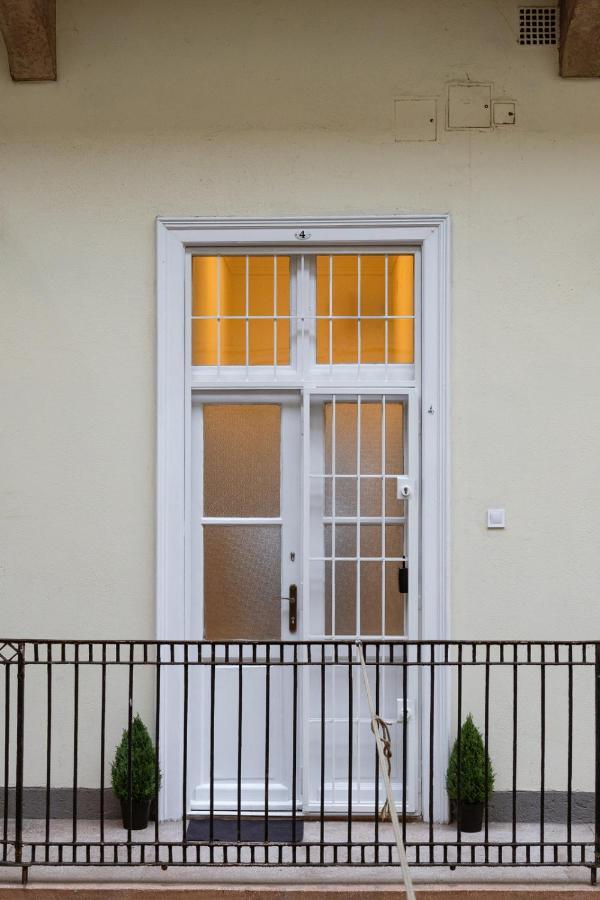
[[504, 112], [415, 119], [496, 518], [469, 105]]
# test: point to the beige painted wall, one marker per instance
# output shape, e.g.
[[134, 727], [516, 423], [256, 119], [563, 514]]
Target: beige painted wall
[[267, 108]]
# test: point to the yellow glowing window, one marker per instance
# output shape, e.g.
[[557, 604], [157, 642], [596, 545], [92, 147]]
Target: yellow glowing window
[[240, 310], [365, 309]]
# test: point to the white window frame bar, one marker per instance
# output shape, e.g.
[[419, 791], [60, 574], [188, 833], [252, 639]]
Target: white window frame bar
[[177, 238]]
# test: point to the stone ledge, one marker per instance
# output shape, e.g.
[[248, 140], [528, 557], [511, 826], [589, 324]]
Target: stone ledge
[[115, 891]]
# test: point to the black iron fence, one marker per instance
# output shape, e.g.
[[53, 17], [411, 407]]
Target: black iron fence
[[266, 750]]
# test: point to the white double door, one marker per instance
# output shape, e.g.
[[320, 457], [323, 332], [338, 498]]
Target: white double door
[[301, 531]]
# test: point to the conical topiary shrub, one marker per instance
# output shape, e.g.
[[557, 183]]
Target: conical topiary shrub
[[143, 774], [469, 795]]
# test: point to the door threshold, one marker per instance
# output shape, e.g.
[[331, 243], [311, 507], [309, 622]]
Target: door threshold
[[245, 814]]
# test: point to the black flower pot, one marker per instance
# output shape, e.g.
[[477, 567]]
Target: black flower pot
[[469, 816], [140, 810]]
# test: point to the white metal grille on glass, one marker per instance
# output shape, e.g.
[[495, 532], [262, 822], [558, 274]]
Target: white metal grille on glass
[[357, 522], [296, 313]]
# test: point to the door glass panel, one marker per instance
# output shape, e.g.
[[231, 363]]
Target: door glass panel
[[240, 310], [242, 582], [394, 439], [370, 598], [358, 535], [242, 460], [340, 617]]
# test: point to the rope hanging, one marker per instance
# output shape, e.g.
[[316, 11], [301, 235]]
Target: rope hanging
[[383, 741], [379, 724]]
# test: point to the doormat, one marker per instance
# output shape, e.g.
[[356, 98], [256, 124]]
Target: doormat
[[225, 830]]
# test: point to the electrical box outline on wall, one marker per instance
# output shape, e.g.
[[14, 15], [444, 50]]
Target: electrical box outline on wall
[[415, 119], [504, 112], [469, 106]]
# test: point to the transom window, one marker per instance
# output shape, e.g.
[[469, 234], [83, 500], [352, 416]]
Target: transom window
[[301, 312]]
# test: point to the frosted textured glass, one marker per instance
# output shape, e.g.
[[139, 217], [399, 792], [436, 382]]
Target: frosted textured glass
[[370, 540], [242, 582], [370, 437], [370, 598], [345, 496], [345, 596], [394, 438], [242, 459], [345, 436], [370, 497], [346, 440]]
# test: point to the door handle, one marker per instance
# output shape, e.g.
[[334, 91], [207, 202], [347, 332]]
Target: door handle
[[403, 578], [293, 608]]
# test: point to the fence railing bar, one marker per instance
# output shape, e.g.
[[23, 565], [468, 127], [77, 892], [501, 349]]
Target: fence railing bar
[[75, 740], [486, 764], [184, 749], [401, 660], [322, 753], [158, 689], [542, 745], [48, 748], [20, 755], [294, 751], [103, 674], [129, 754], [239, 751], [515, 737], [350, 746], [459, 752], [404, 743], [211, 762], [376, 774], [431, 741], [594, 869], [267, 741], [569, 753], [7, 679]]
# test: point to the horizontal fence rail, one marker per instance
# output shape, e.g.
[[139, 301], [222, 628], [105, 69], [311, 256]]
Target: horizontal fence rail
[[256, 737]]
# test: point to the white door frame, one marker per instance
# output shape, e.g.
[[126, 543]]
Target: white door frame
[[175, 238]]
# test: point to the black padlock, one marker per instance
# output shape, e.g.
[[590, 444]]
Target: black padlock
[[403, 578]]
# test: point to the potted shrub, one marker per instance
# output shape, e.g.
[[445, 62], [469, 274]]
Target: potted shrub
[[473, 771], [143, 774]]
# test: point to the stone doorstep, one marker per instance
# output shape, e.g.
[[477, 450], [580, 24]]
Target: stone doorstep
[[98, 891]]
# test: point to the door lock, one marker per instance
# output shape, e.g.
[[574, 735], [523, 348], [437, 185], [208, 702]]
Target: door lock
[[293, 608], [404, 488]]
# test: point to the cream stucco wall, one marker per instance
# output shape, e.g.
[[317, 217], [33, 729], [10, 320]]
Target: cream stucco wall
[[267, 108]]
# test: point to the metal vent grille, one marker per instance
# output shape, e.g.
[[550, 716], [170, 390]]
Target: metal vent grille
[[538, 25]]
